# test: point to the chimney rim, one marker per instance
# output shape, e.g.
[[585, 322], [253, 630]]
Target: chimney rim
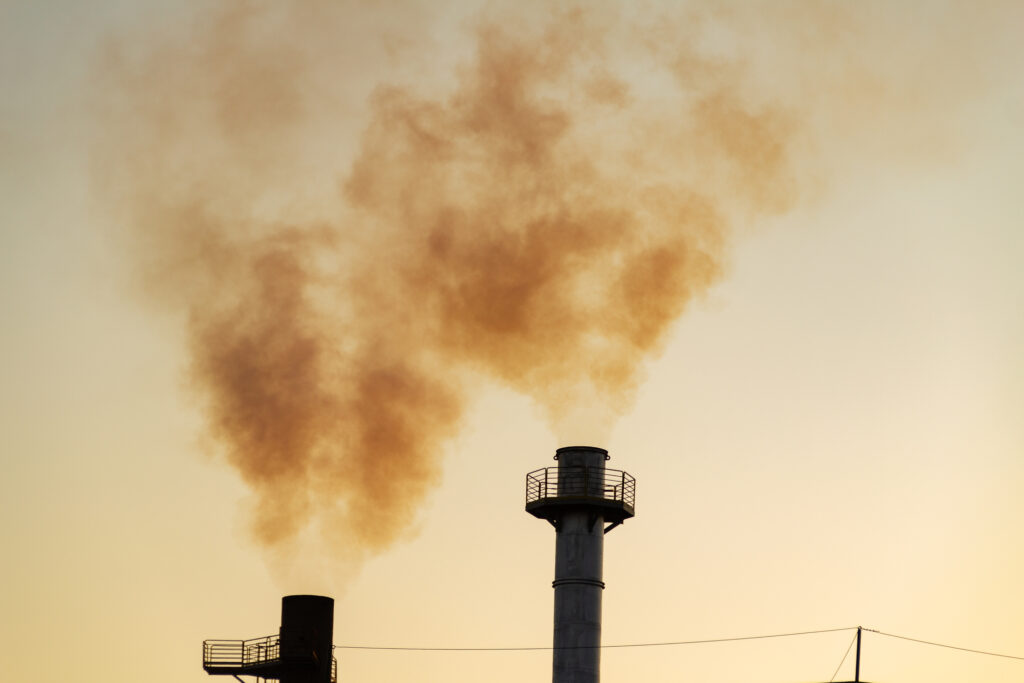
[[591, 449], [308, 595]]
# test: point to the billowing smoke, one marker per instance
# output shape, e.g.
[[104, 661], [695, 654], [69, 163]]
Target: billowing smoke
[[352, 242]]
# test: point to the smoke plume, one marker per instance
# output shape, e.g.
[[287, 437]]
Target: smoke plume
[[355, 224]]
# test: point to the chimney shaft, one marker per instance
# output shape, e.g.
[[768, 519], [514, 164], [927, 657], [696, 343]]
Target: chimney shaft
[[579, 571], [307, 633]]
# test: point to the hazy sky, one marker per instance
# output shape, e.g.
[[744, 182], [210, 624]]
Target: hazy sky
[[768, 253]]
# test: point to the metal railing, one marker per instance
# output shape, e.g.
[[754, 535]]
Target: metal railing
[[239, 654], [580, 482]]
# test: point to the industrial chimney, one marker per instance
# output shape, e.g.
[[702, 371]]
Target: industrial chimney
[[579, 498], [302, 652]]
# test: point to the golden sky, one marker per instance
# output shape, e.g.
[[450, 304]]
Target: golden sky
[[296, 293]]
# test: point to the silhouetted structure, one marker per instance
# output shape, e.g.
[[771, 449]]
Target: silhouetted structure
[[578, 498], [856, 675], [302, 652]]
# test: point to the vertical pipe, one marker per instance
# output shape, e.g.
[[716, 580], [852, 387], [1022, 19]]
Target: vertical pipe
[[579, 555]]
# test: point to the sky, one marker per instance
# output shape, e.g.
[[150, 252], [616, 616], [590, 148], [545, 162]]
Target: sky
[[295, 294]]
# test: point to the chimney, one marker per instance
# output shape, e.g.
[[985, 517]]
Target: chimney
[[302, 652], [583, 500]]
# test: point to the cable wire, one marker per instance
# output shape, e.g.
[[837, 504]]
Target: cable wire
[[589, 647], [843, 660], [950, 647]]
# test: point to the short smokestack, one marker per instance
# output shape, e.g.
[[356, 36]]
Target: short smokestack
[[301, 652], [583, 500]]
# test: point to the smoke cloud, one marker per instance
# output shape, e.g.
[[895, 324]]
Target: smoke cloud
[[356, 222]]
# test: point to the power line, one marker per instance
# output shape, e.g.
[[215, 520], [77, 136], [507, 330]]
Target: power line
[[581, 647], [685, 642], [950, 647]]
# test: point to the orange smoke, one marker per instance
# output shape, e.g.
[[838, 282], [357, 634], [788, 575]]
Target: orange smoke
[[540, 220]]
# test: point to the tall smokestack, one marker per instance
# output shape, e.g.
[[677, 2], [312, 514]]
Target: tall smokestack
[[578, 498]]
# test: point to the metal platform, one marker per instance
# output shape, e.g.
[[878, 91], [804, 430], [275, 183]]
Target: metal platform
[[610, 493], [261, 657]]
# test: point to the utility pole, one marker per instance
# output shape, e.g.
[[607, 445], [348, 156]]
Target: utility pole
[[856, 674]]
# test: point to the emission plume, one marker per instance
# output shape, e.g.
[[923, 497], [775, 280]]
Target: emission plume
[[351, 250]]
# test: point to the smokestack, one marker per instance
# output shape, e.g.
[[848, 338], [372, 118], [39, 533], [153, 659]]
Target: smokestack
[[579, 498], [302, 652]]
